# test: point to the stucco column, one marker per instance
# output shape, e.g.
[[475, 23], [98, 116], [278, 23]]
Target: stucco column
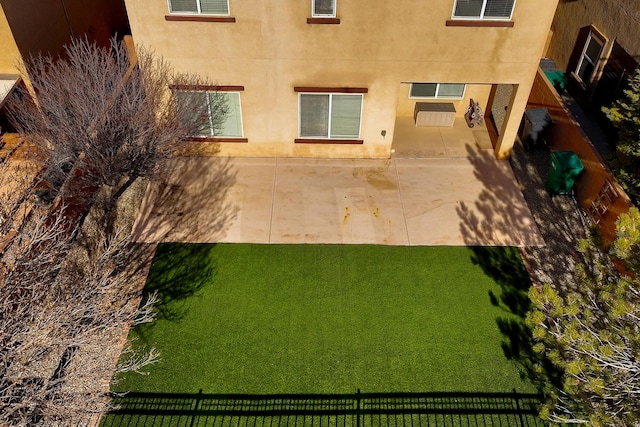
[[511, 123]]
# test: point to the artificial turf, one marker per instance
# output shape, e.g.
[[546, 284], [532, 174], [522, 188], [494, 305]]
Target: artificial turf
[[241, 318]]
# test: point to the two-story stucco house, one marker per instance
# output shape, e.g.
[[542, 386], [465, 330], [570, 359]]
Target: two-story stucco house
[[596, 43], [338, 78]]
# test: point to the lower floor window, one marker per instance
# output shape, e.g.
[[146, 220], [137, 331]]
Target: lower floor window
[[224, 116], [437, 90], [330, 115]]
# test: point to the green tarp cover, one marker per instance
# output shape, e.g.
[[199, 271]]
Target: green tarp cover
[[557, 79], [564, 169]]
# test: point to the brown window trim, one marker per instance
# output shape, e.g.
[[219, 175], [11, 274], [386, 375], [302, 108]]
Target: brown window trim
[[199, 18], [316, 89], [215, 139], [478, 23], [327, 141], [216, 88], [323, 20]]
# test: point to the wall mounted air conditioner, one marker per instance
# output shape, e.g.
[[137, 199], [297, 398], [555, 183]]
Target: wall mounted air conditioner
[[434, 114]]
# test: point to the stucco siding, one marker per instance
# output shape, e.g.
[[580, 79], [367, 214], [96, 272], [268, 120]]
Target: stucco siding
[[377, 45], [616, 19], [9, 53]]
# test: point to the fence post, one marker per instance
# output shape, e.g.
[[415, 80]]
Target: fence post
[[358, 408], [517, 400], [196, 408]]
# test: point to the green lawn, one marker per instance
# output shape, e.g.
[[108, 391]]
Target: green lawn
[[240, 318]]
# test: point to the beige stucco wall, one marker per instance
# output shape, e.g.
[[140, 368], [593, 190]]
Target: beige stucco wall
[[616, 19], [9, 53], [378, 44]]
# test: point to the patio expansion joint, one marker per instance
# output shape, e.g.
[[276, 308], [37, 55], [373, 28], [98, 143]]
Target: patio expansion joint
[[273, 198], [444, 146], [404, 216]]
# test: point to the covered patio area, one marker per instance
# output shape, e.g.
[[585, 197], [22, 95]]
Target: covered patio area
[[411, 141]]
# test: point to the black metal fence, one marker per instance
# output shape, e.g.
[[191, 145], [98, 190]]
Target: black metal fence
[[331, 410]]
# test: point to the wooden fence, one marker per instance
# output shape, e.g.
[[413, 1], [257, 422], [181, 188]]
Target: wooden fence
[[596, 190]]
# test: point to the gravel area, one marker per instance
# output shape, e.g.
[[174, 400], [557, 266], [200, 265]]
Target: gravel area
[[560, 220]]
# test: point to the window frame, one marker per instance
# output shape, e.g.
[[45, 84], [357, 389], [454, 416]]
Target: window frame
[[239, 115], [481, 17], [316, 15], [199, 11], [464, 90], [328, 137], [211, 136], [583, 55]]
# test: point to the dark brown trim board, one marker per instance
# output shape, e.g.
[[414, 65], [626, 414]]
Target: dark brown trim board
[[478, 23], [327, 141], [317, 89], [216, 88], [323, 20], [215, 139], [199, 18]]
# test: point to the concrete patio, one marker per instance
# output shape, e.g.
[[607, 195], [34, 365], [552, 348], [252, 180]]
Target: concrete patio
[[472, 199]]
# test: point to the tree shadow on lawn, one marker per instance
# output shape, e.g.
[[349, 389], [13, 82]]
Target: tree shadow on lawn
[[494, 215], [178, 272], [504, 265]]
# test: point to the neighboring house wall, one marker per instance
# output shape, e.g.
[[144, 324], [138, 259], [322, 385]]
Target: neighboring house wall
[[270, 48], [617, 19], [32, 27], [614, 26], [44, 26], [596, 189]]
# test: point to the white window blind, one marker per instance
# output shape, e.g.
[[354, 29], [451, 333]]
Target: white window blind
[[483, 9], [182, 6], [345, 116], [214, 7], [231, 123], [323, 8], [423, 90], [219, 113], [330, 115], [498, 9], [314, 115], [192, 107], [468, 8], [205, 7], [450, 90]]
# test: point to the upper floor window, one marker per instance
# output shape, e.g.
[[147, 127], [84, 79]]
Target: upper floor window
[[201, 7], [483, 9], [323, 8], [330, 115], [589, 58], [437, 90]]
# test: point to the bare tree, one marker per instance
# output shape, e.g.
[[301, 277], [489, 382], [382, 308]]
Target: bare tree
[[65, 304], [108, 112], [70, 276]]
